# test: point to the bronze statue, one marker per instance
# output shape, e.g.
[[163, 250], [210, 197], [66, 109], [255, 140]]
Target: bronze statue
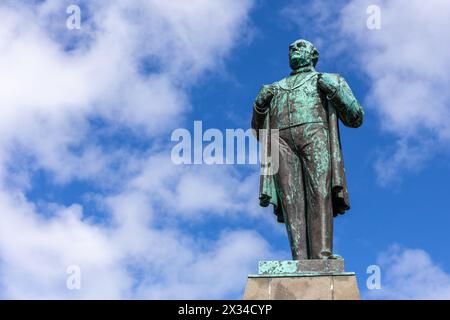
[[309, 188]]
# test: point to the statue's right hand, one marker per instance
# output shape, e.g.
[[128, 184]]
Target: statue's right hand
[[264, 97]]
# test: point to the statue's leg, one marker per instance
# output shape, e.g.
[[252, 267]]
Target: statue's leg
[[315, 156], [290, 187]]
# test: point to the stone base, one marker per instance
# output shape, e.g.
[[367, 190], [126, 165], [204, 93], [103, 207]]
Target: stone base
[[302, 280]]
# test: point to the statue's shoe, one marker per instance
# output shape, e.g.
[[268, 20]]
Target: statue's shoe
[[326, 254], [335, 256]]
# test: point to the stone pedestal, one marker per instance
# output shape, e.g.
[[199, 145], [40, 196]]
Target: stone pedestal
[[302, 280]]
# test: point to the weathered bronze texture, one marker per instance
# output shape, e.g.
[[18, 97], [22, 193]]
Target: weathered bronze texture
[[309, 188]]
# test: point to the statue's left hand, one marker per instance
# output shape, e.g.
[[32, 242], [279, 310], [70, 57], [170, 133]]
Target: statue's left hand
[[329, 83]]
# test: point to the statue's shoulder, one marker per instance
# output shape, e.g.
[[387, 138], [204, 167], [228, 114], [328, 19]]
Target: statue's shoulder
[[331, 76], [275, 84], [279, 82], [270, 88]]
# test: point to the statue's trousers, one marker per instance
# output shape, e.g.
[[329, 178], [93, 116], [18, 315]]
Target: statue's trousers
[[303, 183]]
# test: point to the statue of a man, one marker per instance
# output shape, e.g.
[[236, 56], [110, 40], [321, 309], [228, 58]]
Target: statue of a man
[[309, 188]]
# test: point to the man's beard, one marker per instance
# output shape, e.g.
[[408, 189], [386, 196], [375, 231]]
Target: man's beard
[[300, 61]]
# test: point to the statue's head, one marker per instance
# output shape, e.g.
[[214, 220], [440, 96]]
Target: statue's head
[[302, 53]]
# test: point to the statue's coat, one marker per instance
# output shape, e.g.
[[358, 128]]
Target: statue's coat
[[342, 105]]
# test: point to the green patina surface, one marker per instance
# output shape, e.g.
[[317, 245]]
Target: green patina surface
[[313, 266], [302, 274], [308, 105], [277, 267]]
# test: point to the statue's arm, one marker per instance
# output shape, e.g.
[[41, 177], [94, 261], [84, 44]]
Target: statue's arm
[[261, 106], [339, 93]]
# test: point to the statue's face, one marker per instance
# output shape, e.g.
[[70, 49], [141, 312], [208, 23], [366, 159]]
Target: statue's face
[[300, 54]]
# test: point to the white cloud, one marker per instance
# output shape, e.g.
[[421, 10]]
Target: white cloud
[[195, 192], [35, 253], [407, 62], [49, 95], [133, 257], [410, 274], [403, 155], [221, 268], [54, 85]]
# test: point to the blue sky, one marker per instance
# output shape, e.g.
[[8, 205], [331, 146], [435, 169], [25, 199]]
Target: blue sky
[[85, 169]]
